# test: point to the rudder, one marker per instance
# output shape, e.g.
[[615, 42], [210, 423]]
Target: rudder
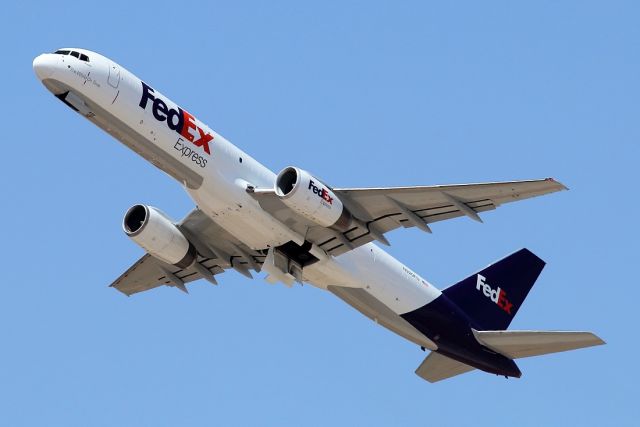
[[491, 297]]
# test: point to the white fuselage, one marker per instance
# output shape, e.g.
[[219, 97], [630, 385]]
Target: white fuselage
[[217, 180]]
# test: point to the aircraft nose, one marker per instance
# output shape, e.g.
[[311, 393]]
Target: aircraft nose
[[44, 66]]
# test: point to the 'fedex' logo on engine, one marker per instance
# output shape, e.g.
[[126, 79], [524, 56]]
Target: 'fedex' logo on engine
[[321, 192], [498, 296], [178, 120]]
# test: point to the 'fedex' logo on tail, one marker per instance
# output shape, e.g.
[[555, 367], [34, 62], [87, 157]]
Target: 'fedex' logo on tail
[[321, 192], [498, 296], [178, 120]]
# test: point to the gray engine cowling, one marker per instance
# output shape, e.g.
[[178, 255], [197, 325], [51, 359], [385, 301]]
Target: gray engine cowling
[[152, 229], [310, 197]]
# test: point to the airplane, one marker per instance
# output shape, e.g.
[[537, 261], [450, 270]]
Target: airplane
[[297, 229]]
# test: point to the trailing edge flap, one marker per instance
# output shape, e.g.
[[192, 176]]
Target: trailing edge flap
[[437, 367], [519, 344]]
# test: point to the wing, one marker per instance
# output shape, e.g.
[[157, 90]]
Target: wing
[[380, 209], [217, 251], [385, 209]]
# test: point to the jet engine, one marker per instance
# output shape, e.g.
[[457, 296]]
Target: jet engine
[[158, 235], [310, 197]]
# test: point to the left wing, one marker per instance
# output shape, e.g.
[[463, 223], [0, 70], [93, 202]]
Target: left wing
[[217, 251], [384, 209]]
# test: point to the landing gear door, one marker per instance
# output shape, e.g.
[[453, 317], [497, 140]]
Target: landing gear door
[[114, 75]]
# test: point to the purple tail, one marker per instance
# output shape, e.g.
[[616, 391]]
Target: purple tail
[[492, 297]]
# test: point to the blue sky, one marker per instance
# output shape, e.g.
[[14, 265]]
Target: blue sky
[[362, 94]]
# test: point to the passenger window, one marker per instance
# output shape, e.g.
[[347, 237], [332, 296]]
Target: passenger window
[[84, 57], [76, 54]]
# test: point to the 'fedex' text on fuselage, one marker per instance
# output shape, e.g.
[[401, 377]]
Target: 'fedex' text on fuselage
[[178, 120]]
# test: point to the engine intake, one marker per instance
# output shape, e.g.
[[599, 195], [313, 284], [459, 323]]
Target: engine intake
[[152, 229], [310, 197]]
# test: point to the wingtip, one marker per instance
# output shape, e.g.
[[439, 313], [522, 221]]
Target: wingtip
[[598, 340], [113, 285], [562, 186]]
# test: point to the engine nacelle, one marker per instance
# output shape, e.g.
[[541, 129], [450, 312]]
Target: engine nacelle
[[158, 235], [307, 195]]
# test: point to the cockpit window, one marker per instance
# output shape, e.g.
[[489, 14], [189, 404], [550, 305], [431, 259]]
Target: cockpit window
[[80, 56]]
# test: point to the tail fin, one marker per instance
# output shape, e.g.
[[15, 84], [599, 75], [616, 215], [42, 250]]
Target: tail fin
[[491, 298]]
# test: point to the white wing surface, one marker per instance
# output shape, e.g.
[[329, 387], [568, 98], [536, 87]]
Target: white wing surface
[[384, 209]]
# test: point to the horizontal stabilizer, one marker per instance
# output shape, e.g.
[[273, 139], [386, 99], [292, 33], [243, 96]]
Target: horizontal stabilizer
[[519, 344], [437, 367]]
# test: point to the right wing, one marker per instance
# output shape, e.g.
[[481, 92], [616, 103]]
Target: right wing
[[382, 210], [437, 367], [217, 251]]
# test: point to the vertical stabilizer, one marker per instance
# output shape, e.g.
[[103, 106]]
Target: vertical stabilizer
[[491, 297]]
